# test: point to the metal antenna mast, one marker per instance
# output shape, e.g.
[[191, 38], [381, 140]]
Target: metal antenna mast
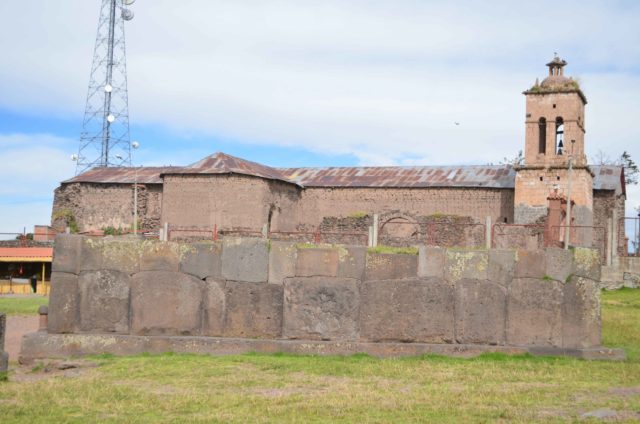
[[104, 140]]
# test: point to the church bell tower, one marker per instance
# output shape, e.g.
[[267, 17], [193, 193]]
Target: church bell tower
[[555, 161]]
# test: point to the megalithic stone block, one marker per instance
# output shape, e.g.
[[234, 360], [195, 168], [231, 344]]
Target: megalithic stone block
[[104, 301], [66, 253], [245, 259], [321, 308], [63, 303], [202, 260], [480, 312], [581, 322], [166, 303], [389, 266], [253, 310], [282, 261]]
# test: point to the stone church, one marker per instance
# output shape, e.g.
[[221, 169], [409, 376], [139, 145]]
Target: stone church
[[233, 195]]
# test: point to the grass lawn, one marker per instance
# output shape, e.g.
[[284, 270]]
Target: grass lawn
[[22, 305], [359, 389]]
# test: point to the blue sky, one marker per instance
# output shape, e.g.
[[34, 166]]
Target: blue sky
[[308, 83]]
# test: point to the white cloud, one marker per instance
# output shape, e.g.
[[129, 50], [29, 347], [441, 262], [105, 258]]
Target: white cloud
[[381, 80]]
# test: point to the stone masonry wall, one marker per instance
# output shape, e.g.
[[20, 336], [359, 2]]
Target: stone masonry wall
[[97, 206], [256, 288]]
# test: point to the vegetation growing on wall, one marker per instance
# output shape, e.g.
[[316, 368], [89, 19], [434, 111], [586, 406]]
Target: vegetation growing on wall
[[68, 217]]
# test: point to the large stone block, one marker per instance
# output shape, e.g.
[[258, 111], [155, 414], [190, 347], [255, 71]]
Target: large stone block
[[245, 259], [431, 261], [321, 308], [531, 264], [202, 260], [481, 308], [166, 303], [316, 262], [462, 264], [581, 323], [586, 263], [351, 262], [160, 256], [63, 303], [282, 261], [253, 310], [3, 329], [502, 264], [104, 301], [66, 253], [534, 312], [111, 254], [214, 308], [389, 266], [415, 310], [559, 263]]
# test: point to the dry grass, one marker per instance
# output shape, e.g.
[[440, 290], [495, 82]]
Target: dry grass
[[286, 388]]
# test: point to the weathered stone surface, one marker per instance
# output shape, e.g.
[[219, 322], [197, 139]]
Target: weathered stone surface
[[110, 254], [166, 302], [480, 312], [389, 266], [586, 263], [502, 264], [3, 329], [581, 323], [214, 308], [245, 259], [314, 262], [530, 264], [461, 264], [321, 308], [202, 260], [534, 312], [253, 310], [351, 262], [160, 256], [104, 301], [431, 261], [66, 253], [559, 263], [63, 303], [282, 261], [414, 310]]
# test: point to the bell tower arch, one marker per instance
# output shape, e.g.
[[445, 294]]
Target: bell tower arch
[[554, 160]]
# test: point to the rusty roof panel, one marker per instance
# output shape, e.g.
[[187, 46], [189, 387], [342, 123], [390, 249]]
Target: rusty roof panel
[[123, 175], [397, 176], [608, 177]]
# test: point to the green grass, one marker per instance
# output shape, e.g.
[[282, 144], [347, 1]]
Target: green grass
[[355, 389], [394, 250], [27, 305]]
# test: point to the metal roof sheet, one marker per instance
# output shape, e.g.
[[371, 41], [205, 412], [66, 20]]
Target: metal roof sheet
[[491, 176], [123, 175], [502, 176], [608, 177], [26, 252]]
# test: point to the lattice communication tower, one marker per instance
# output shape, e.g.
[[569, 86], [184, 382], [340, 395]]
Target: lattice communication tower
[[104, 140]]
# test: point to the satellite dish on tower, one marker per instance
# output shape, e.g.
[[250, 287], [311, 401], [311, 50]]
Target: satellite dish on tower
[[127, 14]]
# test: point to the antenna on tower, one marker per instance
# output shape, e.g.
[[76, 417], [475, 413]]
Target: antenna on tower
[[104, 140]]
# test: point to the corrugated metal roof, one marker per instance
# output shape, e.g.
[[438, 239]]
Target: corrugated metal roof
[[123, 175], [26, 252], [608, 177], [222, 163], [490, 176]]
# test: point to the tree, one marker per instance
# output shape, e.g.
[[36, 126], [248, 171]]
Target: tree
[[631, 170], [515, 161]]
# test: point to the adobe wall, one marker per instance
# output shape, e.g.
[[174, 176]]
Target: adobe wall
[[97, 206], [230, 202], [604, 204], [478, 203], [251, 288]]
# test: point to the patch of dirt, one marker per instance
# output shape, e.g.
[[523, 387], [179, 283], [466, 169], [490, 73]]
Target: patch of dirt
[[625, 391], [18, 326], [46, 369]]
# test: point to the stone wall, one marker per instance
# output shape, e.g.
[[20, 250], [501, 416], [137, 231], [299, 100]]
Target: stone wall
[[98, 206], [623, 272], [4, 356], [256, 288]]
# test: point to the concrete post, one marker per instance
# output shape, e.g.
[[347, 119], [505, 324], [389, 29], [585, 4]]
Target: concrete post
[[487, 233], [609, 240], [265, 230], [166, 231], [376, 223], [370, 238], [614, 238], [161, 234]]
